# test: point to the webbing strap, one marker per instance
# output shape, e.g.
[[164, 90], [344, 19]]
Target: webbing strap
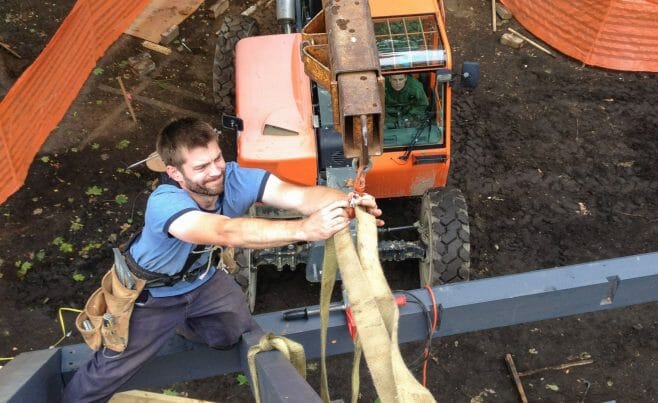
[[374, 310], [293, 351]]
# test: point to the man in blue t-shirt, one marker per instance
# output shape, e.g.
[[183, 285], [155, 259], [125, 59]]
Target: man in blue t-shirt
[[203, 204]]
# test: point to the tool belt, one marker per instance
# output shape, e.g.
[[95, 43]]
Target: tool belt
[[106, 317]]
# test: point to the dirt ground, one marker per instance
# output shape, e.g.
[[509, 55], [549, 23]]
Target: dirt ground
[[557, 161]]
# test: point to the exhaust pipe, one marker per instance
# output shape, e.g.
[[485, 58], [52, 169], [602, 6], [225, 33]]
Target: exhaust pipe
[[285, 14]]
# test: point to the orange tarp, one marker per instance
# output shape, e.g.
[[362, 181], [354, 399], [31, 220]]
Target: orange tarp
[[615, 34], [43, 93]]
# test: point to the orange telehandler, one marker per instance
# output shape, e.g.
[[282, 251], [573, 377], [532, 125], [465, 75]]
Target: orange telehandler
[[310, 106]]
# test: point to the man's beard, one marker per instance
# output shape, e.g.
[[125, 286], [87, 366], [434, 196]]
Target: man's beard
[[204, 190]]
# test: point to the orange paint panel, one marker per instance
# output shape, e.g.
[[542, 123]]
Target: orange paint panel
[[392, 177], [274, 101]]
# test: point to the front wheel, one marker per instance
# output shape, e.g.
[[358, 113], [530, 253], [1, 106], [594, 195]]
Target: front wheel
[[445, 233]]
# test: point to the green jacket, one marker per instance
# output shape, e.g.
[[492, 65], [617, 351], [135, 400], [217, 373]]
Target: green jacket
[[409, 103]]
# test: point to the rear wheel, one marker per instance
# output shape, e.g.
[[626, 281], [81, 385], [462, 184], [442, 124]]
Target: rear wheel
[[445, 233], [234, 28]]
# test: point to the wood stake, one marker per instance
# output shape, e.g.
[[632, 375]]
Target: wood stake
[[493, 14], [530, 41], [127, 99], [556, 367], [10, 50], [517, 378]]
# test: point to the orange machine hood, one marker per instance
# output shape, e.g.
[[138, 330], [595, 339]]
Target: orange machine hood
[[273, 98]]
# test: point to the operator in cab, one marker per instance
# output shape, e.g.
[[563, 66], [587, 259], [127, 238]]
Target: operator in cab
[[406, 102]]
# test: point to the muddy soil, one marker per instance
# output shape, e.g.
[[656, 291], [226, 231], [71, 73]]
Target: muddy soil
[[557, 161]]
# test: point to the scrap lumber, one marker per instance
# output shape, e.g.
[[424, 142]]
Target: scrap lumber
[[10, 50], [218, 8], [127, 99], [160, 15], [169, 35], [155, 47], [531, 42], [515, 375]]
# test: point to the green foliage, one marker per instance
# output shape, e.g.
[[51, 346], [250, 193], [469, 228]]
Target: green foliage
[[40, 255], [170, 392], [79, 277], [121, 199], [242, 379], [45, 159], [94, 191], [23, 268], [84, 252], [122, 144], [64, 246], [98, 71], [76, 225]]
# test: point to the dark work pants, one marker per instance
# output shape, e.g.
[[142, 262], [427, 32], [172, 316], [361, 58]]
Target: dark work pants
[[216, 312]]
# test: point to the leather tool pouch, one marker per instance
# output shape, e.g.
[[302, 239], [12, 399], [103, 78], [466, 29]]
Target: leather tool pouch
[[106, 317]]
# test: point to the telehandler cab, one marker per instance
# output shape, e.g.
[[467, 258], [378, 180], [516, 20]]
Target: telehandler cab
[[310, 107]]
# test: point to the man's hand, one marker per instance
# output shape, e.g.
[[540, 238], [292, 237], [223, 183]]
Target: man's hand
[[325, 222], [368, 202]]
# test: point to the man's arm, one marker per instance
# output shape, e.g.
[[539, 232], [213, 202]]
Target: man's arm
[[309, 199], [203, 228], [302, 199], [419, 109]]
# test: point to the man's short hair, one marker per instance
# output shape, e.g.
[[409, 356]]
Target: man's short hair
[[185, 133]]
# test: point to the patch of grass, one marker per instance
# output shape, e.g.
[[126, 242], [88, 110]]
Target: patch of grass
[[64, 246], [242, 379], [76, 225], [79, 277], [23, 268], [123, 144], [94, 191], [121, 199], [170, 392], [84, 252]]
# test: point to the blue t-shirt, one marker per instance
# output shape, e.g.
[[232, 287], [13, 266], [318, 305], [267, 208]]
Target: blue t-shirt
[[158, 251]]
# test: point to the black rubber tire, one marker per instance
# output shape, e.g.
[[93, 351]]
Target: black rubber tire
[[234, 28], [445, 233], [246, 276]]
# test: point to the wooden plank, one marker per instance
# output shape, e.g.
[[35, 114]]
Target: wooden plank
[[155, 47], [159, 15], [141, 396]]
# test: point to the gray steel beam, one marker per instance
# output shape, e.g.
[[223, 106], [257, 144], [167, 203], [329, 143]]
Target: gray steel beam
[[32, 377], [465, 307]]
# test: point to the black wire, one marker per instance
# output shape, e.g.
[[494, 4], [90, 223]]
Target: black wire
[[428, 340]]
